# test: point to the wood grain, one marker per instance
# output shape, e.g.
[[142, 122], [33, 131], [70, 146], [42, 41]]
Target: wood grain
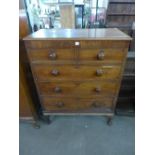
[[23, 24], [61, 89], [75, 104], [110, 54], [85, 72], [43, 72], [70, 44], [25, 100]]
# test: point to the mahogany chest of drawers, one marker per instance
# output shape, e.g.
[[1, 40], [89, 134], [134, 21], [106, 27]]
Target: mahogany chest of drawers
[[78, 71]]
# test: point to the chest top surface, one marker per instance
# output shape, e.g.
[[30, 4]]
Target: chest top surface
[[78, 34]]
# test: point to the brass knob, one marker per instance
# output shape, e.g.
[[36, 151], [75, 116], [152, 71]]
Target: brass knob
[[95, 104], [100, 55], [60, 104], [99, 72], [98, 89], [52, 55], [55, 72], [57, 89]]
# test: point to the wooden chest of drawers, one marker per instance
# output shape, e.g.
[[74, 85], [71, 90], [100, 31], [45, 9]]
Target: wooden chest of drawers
[[78, 71]]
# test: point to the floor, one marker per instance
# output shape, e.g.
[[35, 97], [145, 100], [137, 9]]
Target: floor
[[79, 135]]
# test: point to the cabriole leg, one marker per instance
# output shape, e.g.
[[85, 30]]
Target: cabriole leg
[[36, 125], [109, 121], [47, 119]]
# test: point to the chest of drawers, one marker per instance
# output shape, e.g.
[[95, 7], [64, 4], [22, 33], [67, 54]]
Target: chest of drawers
[[78, 71]]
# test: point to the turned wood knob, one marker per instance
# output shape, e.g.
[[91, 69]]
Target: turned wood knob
[[60, 104], [95, 104], [98, 89], [99, 72], [55, 72], [52, 55], [57, 89], [100, 55]]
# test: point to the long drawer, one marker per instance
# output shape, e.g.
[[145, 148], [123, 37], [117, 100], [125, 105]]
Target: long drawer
[[61, 89], [49, 54], [61, 104], [32, 44], [46, 72]]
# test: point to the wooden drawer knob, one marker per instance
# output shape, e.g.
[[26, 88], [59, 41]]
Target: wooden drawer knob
[[60, 104], [99, 72], [55, 72], [57, 89], [100, 55], [52, 55], [98, 89], [96, 104]]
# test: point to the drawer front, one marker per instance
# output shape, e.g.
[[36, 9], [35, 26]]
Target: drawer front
[[78, 88], [50, 54], [32, 44], [54, 104], [108, 55], [104, 44], [46, 72], [38, 44]]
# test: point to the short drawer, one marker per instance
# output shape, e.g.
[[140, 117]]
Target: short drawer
[[78, 88], [45, 72], [41, 44], [109, 55], [61, 104], [104, 44], [49, 54]]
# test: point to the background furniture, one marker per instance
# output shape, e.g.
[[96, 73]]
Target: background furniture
[[78, 71], [121, 14], [27, 96], [67, 16], [126, 98]]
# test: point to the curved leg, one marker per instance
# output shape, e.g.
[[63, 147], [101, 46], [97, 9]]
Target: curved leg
[[46, 119], [36, 125], [109, 121]]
